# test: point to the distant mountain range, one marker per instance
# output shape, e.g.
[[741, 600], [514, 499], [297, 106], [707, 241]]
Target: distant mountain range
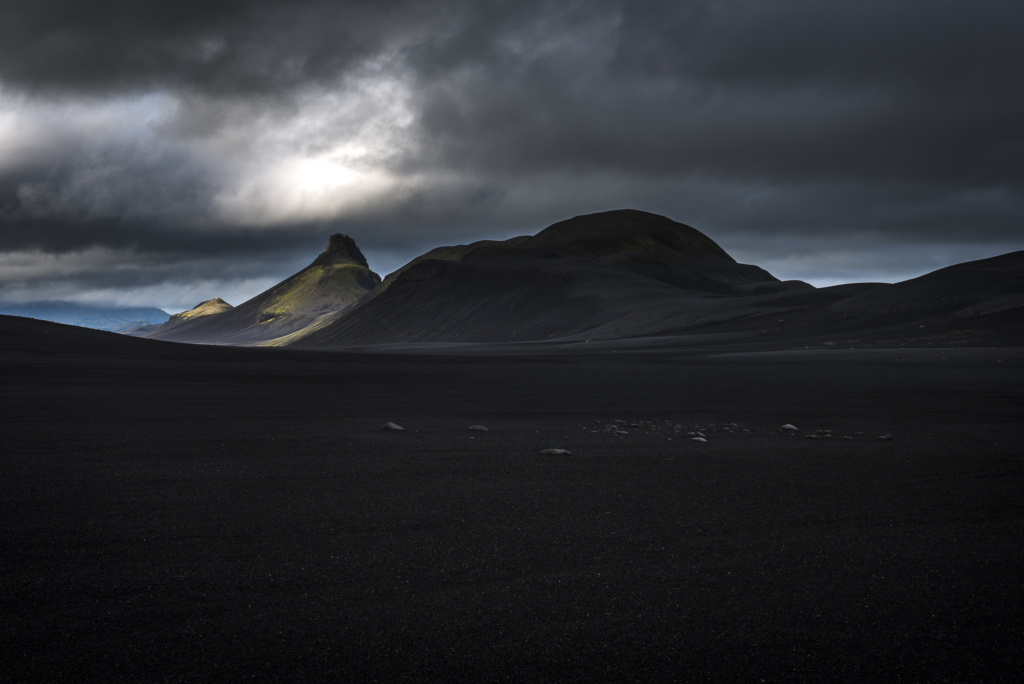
[[113, 318], [614, 275]]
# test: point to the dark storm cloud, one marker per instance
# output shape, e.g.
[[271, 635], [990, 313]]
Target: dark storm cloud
[[918, 90], [899, 118], [233, 46], [789, 125]]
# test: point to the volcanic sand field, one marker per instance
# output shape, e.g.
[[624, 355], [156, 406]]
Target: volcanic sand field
[[185, 513]]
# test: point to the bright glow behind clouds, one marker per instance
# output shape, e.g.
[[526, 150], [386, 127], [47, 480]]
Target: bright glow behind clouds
[[256, 164], [323, 157], [300, 189]]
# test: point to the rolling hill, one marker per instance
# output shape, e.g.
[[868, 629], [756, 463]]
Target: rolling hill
[[977, 302]]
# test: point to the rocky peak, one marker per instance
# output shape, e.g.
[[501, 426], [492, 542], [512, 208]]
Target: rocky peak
[[341, 249]]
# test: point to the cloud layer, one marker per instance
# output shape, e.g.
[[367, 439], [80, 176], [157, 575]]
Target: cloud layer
[[148, 147]]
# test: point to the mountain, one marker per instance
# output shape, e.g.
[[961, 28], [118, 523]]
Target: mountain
[[614, 274], [207, 308], [629, 274], [304, 302], [970, 303], [130, 326], [87, 315]]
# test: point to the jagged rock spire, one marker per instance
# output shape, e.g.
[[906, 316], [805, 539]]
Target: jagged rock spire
[[341, 249]]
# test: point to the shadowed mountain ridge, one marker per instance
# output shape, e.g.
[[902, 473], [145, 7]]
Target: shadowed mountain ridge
[[628, 273], [605, 274], [645, 243], [954, 302], [612, 275]]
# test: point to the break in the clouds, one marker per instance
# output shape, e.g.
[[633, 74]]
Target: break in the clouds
[[167, 152]]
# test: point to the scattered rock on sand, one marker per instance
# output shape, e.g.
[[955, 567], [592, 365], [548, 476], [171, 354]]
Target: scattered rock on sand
[[481, 427], [698, 439], [885, 437], [557, 452], [811, 437], [787, 426], [392, 426]]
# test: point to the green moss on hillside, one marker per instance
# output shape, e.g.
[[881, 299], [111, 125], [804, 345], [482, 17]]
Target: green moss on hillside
[[207, 308], [318, 288]]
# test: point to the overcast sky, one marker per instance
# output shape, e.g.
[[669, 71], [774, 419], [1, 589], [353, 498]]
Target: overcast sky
[[162, 153]]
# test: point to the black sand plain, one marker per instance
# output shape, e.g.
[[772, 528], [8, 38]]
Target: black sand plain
[[176, 513]]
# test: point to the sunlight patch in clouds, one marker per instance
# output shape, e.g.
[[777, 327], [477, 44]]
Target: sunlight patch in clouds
[[181, 158], [326, 158], [300, 189]]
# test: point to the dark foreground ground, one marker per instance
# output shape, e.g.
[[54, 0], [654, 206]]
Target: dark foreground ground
[[179, 514]]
